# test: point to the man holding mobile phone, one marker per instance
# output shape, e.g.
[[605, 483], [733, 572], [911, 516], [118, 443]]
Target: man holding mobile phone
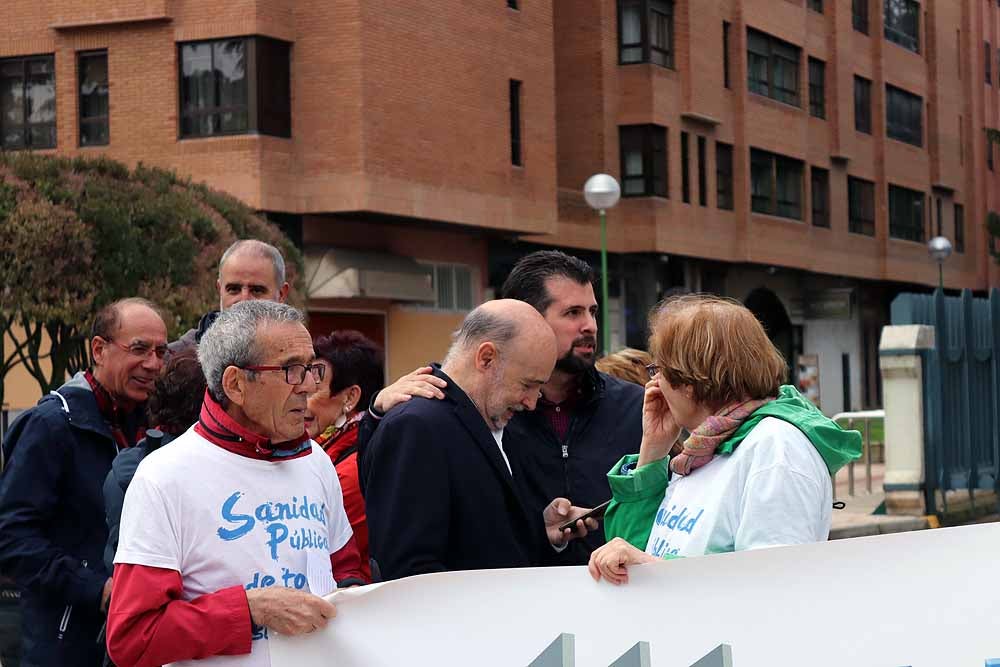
[[441, 492]]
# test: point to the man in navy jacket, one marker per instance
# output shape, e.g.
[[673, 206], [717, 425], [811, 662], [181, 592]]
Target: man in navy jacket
[[441, 492], [52, 522]]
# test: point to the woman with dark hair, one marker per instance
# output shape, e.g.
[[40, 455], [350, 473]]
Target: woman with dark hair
[[354, 373], [754, 471]]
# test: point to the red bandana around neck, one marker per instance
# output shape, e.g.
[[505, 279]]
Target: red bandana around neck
[[115, 413], [216, 426]]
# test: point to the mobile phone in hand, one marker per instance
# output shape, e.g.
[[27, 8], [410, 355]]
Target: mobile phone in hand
[[596, 513]]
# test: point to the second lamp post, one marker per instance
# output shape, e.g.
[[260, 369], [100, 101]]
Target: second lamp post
[[602, 192]]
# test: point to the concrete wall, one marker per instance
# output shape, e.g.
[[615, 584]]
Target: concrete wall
[[829, 339]]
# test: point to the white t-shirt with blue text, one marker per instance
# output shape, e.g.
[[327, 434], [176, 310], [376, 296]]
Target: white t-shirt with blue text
[[221, 520], [773, 490]]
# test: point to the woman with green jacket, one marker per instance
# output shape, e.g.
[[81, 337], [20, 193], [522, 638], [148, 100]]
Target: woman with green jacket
[[755, 471]]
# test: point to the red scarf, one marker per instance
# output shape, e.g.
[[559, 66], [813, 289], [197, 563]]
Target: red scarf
[[336, 441], [216, 426], [115, 413]]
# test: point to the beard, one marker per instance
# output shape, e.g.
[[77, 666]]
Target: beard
[[574, 364]]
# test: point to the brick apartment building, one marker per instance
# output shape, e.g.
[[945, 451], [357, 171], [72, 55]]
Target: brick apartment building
[[793, 154]]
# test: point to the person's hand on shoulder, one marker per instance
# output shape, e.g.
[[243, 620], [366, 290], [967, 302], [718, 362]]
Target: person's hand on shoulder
[[659, 428], [289, 611], [611, 561], [559, 512], [421, 382]]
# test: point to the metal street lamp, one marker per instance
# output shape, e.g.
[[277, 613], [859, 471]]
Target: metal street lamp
[[939, 248], [602, 192]]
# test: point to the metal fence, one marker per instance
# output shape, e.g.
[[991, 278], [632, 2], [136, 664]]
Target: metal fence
[[961, 390], [850, 421]]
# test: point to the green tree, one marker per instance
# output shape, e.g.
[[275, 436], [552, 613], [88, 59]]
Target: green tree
[[76, 234]]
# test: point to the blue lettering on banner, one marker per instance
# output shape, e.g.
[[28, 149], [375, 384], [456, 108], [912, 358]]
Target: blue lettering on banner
[[229, 515], [289, 579], [675, 520], [273, 516]]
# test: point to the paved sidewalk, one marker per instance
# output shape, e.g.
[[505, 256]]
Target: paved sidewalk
[[856, 519]]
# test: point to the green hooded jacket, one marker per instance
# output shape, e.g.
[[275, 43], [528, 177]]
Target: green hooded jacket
[[637, 493]]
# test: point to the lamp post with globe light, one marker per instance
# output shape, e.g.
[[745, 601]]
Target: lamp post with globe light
[[602, 192], [939, 248]]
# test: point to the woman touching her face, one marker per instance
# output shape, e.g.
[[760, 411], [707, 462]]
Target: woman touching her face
[[755, 470]]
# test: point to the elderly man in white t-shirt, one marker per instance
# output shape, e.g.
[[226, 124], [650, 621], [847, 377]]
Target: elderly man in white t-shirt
[[235, 529]]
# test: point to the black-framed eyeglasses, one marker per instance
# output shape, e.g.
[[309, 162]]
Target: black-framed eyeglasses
[[142, 350], [652, 369], [295, 374]]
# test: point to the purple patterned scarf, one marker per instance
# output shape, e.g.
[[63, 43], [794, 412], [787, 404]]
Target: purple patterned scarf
[[700, 447]]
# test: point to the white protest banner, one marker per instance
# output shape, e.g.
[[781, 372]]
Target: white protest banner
[[923, 599]]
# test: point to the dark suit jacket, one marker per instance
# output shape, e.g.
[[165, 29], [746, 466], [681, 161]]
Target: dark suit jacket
[[438, 494]]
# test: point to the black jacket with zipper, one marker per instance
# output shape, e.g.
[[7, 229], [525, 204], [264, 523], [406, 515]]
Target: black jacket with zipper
[[606, 425], [52, 524]]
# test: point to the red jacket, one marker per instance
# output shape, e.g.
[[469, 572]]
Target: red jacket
[[342, 450]]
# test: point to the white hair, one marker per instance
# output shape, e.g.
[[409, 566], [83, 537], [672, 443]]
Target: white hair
[[258, 249], [232, 338]]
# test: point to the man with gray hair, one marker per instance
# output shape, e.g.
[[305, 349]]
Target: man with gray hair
[[441, 493], [249, 270], [237, 528]]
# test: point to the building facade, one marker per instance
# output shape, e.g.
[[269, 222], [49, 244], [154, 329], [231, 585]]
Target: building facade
[[796, 155], [793, 154]]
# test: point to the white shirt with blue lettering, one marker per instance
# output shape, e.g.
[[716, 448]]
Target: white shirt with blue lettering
[[773, 490], [221, 520]]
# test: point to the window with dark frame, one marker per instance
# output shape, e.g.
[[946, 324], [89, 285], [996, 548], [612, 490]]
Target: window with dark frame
[[27, 103], [817, 88], [702, 172], [904, 116], [959, 228], [988, 63], [643, 160], [724, 176], [92, 77], [816, 5], [906, 214], [773, 67], [725, 55], [902, 23], [512, 4], [685, 169], [862, 105], [515, 123], [859, 15], [861, 206], [217, 79], [775, 184], [940, 217], [646, 32], [819, 182]]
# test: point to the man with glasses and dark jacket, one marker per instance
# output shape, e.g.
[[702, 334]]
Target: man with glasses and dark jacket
[[52, 522]]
